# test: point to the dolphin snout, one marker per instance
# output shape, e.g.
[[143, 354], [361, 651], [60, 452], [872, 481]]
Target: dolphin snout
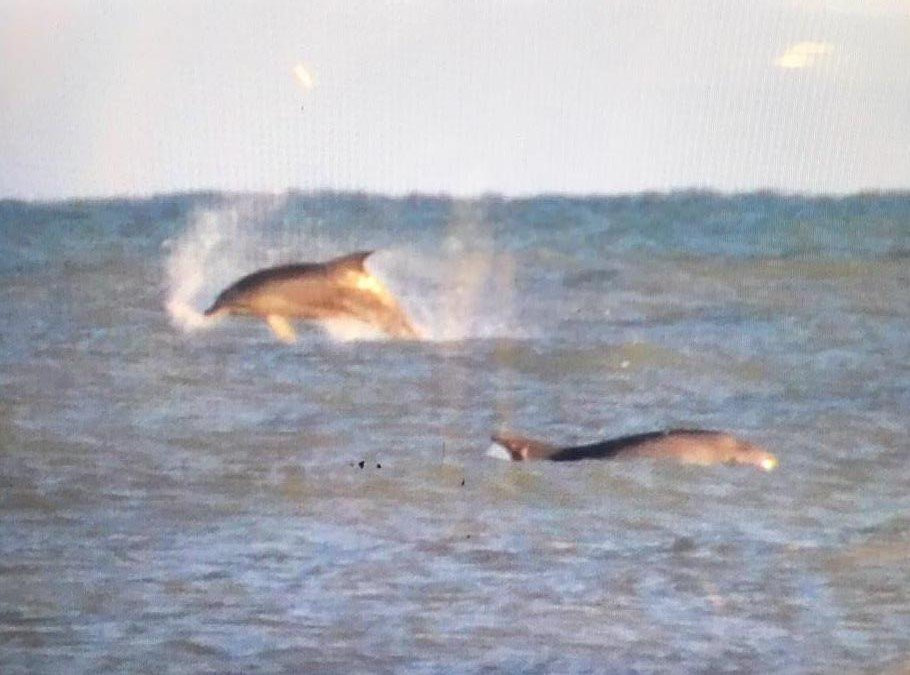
[[215, 309]]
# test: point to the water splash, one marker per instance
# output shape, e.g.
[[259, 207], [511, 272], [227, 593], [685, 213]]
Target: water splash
[[219, 245], [186, 271], [451, 296], [463, 290]]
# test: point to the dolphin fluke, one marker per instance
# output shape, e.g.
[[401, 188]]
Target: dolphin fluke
[[338, 288]]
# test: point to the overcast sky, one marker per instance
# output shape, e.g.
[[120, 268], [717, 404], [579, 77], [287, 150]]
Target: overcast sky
[[517, 97]]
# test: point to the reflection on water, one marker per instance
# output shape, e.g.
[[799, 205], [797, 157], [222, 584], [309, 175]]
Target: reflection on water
[[214, 500]]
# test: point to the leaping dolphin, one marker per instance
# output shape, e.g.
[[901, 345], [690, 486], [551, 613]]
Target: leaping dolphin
[[338, 288], [689, 446]]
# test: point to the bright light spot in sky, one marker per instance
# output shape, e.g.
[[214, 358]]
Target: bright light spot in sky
[[304, 77], [803, 55]]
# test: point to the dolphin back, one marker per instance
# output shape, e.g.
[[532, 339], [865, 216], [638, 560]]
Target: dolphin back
[[255, 281], [353, 262]]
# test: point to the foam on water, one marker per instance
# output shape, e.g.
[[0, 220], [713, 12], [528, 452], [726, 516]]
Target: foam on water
[[351, 330], [496, 451]]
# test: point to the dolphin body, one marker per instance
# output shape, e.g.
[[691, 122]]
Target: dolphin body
[[338, 288], [689, 446]]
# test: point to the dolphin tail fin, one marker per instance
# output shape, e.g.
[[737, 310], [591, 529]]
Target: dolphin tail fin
[[353, 262], [521, 448], [282, 328], [385, 313], [396, 323]]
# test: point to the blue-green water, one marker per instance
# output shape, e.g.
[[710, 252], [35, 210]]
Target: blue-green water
[[183, 499]]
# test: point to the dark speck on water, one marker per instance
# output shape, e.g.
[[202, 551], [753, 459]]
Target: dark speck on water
[[180, 498], [683, 545]]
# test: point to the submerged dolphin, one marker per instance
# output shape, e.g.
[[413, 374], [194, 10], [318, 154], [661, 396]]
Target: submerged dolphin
[[689, 446], [339, 288]]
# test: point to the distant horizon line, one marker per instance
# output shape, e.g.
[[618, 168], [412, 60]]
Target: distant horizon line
[[448, 196]]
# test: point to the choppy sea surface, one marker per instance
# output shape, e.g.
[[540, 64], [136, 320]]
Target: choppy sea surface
[[180, 497]]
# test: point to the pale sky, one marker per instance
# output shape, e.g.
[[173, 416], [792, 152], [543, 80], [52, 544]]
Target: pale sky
[[516, 97]]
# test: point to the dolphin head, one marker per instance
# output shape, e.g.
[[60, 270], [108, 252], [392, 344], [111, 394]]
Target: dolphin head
[[228, 302], [218, 308], [215, 310], [521, 448]]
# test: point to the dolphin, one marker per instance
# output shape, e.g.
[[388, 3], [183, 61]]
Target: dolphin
[[338, 288], [689, 446]]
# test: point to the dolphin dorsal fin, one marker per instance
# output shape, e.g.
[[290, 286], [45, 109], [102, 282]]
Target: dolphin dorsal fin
[[352, 261]]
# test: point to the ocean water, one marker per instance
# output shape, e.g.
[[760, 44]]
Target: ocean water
[[177, 496]]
